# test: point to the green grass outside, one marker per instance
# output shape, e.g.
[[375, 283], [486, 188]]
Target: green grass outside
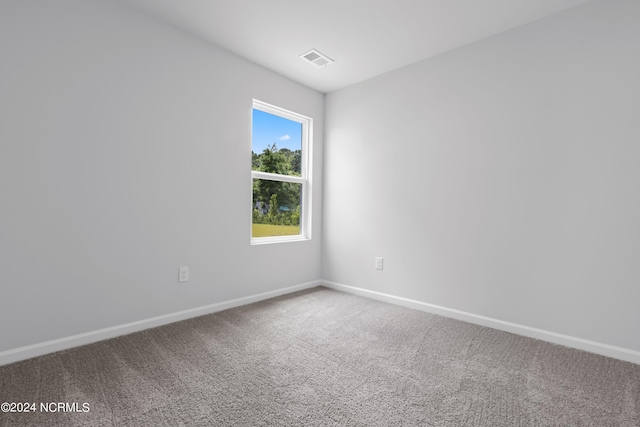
[[269, 230]]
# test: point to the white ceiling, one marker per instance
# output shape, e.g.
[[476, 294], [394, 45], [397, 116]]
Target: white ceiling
[[365, 37]]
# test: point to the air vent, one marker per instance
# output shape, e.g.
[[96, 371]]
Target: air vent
[[318, 59]]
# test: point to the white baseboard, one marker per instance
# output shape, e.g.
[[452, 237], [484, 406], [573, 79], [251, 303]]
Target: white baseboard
[[552, 337], [29, 351]]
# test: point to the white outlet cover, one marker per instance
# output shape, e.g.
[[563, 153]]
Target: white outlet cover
[[183, 275]]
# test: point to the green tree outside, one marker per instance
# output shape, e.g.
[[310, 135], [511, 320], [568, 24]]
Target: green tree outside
[[275, 202]]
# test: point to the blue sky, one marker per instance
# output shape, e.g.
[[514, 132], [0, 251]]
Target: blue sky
[[268, 129]]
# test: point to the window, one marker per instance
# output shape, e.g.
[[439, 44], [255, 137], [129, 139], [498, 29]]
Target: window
[[281, 175]]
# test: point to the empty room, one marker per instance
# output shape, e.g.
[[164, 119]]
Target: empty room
[[331, 213]]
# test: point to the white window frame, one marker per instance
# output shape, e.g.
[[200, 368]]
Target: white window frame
[[304, 179]]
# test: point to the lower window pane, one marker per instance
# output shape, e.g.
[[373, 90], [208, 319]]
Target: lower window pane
[[276, 208]]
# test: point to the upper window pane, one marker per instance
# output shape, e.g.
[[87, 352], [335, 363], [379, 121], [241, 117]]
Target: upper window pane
[[276, 144]]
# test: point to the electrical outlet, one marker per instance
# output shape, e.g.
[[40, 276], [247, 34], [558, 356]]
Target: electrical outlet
[[183, 276], [379, 263]]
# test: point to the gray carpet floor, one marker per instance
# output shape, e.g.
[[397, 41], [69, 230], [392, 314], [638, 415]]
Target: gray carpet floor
[[324, 358]]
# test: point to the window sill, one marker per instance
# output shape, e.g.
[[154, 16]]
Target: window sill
[[279, 239]]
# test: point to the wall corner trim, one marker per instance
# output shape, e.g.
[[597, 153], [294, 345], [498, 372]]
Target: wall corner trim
[[620, 353], [39, 349]]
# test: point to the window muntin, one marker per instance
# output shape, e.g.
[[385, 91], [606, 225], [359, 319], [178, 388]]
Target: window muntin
[[281, 190]]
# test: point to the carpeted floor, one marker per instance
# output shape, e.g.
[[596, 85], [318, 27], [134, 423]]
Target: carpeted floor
[[324, 358]]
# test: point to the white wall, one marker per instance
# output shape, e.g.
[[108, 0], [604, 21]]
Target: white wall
[[124, 153], [499, 179]]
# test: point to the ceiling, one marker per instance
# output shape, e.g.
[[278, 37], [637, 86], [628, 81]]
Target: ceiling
[[364, 37]]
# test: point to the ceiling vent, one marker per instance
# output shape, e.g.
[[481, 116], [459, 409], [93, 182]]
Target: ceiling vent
[[318, 59]]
